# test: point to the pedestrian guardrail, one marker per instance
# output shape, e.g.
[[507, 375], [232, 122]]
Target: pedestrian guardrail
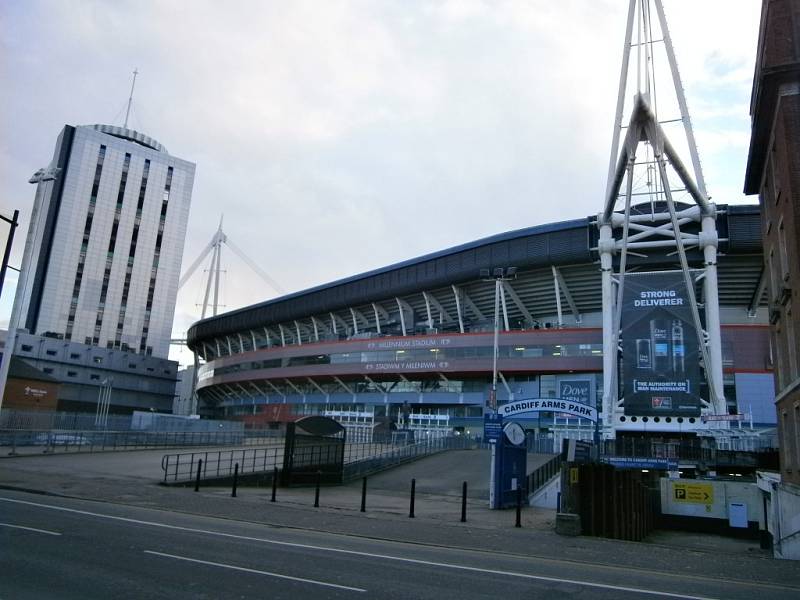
[[359, 459], [27, 441], [397, 455], [544, 474], [220, 464]]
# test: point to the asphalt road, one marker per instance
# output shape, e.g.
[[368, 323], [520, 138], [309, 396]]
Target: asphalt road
[[56, 547]]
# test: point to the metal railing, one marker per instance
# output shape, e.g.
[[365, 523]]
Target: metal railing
[[220, 464], [359, 459], [400, 454], [687, 452], [543, 474], [29, 441], [43, 420]]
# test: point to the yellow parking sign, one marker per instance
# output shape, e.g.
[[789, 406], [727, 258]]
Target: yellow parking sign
[[693, 493]]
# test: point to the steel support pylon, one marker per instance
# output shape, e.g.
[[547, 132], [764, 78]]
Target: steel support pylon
[[623, 232]]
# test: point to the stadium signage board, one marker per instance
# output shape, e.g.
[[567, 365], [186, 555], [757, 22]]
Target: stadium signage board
[[520, 407], [660, 347]]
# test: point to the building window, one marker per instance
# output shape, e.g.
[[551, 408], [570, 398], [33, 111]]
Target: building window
[[94, 377], [98, 359], [788, 443], [74, 356], [131, 365], [87, 229], [72, 373], [791, 342], [27, 348], [50, 352], [773, 275], [47, 370], [784, 270], [775, 172]]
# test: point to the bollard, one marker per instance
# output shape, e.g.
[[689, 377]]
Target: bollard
[[274, 483], [316, 493], [558, 502], [235, 480], [13, 444], [519, 506], [364, 495], [411, 507], [197, 481], [464, 502]]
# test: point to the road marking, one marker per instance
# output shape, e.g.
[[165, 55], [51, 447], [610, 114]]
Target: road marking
[[29, 529], [365, 554], [246, 570]]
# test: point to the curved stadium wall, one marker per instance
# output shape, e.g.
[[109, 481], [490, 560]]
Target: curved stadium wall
[[412, 343]]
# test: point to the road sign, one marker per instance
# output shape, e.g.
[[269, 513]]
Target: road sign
[[693, 493], [632, 462], [705, 418], [492, 427]]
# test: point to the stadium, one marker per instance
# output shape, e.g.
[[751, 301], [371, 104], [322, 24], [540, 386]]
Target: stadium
[[411, 346]]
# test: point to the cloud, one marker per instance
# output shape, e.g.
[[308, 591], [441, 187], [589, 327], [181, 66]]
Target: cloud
[[338, 137]]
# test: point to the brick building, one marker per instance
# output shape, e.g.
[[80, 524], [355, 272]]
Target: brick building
[[773, 172]]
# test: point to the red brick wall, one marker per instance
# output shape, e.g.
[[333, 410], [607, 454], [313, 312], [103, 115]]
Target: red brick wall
[[778, 77]]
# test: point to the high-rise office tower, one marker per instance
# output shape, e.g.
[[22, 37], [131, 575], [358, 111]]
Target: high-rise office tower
[[105, 241]]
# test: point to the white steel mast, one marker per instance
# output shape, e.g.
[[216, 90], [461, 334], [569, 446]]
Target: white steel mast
[[623, 233]]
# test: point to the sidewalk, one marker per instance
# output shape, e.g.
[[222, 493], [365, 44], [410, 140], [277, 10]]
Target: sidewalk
[[436, 522]]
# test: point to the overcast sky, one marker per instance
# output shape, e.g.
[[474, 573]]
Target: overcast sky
[[338, 137]]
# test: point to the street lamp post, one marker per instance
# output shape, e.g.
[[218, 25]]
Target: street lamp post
[[499, 275], [43, 176]]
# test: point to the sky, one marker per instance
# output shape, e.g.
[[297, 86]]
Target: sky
[[338, 137]]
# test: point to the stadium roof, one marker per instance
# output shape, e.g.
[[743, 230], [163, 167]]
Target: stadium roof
[[566, 245]]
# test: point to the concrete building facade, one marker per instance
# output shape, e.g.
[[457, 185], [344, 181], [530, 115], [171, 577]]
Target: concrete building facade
[[100, 271], [106, 240]]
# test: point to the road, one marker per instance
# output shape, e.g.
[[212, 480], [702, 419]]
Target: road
[[57, 547]]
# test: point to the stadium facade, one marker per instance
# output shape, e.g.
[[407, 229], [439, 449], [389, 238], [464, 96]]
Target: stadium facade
[[411, 345]]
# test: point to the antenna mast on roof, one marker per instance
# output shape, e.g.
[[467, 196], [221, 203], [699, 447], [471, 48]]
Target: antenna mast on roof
[[130, 98]]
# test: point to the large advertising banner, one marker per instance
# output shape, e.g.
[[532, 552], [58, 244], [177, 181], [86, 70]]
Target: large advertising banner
[[660, 348]]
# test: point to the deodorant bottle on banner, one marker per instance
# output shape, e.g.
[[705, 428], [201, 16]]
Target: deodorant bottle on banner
[[659, 335], [644, 359], [678, 348]]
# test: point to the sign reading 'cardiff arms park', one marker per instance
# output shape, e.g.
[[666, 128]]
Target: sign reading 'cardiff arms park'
[[559, 405]]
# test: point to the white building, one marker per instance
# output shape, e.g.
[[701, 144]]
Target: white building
[[105, 241]]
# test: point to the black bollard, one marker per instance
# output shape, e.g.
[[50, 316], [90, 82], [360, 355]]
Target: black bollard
[[364, 495], [519, 506], [464, 502], [235, 480], [411, 507], [316, 493], [197, 481], [274, 483]]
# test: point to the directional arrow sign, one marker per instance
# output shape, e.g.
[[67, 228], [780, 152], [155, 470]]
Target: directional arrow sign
[[693, 493]]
